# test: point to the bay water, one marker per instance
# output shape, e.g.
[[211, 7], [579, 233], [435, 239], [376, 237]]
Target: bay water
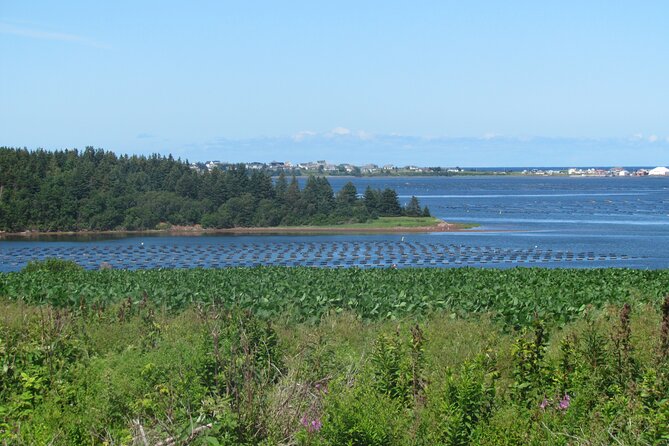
[[527, 221]]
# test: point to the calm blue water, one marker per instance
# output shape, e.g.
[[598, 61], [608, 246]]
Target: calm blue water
[[525, 221]]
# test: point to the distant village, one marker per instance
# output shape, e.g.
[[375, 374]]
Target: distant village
[[323, 167], [598, 172]]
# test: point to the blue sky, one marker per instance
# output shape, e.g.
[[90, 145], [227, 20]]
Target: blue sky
[[473, 83]]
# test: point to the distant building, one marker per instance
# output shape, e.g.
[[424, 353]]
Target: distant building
[[211, 165], [349, 168], [369, 168], [659, 171], [277, 165]]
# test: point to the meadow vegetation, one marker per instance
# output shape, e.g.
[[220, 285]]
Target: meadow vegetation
[[334, 357]]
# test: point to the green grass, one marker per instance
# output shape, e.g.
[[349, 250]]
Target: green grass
[[89, 377], [406, 222], [465, 225], [395, 222], [378, 223]]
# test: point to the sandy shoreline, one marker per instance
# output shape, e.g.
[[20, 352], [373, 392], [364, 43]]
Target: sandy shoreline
[[198, 230]]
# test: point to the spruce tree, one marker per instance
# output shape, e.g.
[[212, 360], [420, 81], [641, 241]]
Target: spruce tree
[[412, 208]]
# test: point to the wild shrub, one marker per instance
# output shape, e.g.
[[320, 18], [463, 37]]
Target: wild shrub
[[359, 415], [243, 363], [36, 361], [51, 265], [397, 363], [531, 373], [466, 400]]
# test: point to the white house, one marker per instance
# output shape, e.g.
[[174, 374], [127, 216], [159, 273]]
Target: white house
[[659, 171]]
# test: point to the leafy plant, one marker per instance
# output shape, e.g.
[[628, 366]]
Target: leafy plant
[[397, 365], [51, 265]]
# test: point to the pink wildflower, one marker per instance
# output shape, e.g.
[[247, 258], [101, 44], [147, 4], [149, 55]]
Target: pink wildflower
[[564, 402], [544, 404], [315, 425]]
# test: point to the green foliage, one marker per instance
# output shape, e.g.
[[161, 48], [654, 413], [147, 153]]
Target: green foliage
[[51, 265], [397, 364], [305, 294], [76, 378], [360, 416], [530, 372], [412, 209], [245, 362], [389, 205], [96, 190], [120, 372], [465, 402]]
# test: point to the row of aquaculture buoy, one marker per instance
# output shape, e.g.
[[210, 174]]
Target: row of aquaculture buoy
[[318, 254]]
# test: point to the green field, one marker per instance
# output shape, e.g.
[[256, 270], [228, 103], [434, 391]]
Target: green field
[[511, 296], [334, 356]]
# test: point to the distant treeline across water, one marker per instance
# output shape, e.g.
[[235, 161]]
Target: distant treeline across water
[[93, 189]]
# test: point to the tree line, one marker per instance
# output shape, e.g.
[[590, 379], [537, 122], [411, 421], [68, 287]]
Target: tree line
[[94, 189]]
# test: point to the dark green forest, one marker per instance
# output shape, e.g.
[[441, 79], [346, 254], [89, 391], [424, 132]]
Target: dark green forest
[[94, 189]]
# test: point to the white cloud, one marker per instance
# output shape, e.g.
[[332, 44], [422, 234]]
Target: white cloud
[[652, 138], [365, 136], [31, 33], [491, 135], [334, 133], [339, 131]]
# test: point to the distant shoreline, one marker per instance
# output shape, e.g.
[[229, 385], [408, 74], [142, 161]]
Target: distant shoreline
[[199, 230]]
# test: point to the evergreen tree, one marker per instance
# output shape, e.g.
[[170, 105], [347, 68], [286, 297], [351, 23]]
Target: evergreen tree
[[261, 185], [326, 199], [237, 180], [347, 196], [281, 188], [389, 204], [412, 208], [293, 199], [372, 200]]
